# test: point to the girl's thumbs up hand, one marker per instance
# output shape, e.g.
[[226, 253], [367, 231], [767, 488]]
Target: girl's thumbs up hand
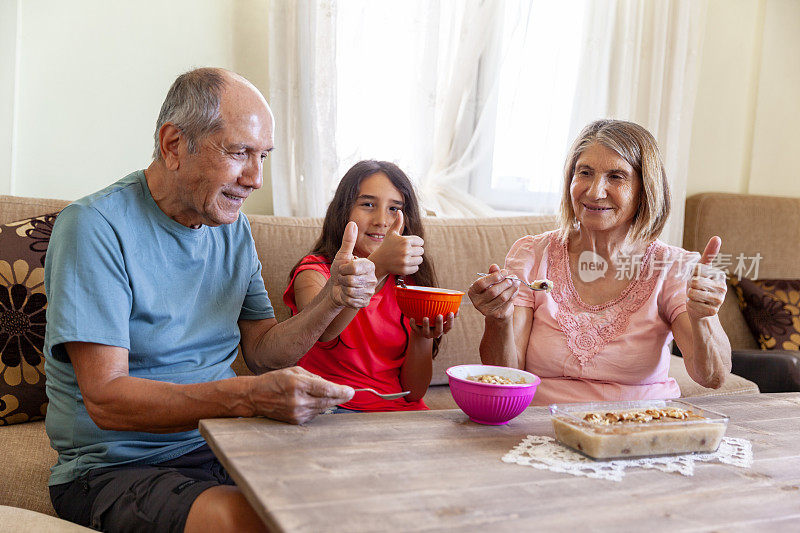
[[352, 281], [398, 254]]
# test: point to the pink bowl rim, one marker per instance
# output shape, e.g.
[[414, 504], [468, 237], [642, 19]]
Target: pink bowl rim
[[536, 379], [430, 290]]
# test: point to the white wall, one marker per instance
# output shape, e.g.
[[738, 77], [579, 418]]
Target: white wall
[[774, 166], [8, 69], [92, 75], [724, 109], [744, 133]]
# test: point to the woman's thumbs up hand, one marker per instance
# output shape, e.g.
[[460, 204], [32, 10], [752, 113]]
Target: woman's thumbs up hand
[[706, 290]]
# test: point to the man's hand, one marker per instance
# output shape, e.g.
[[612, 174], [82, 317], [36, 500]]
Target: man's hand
[[706, 290], [493, 294], [398, 254], [352, 280], [295, 395]]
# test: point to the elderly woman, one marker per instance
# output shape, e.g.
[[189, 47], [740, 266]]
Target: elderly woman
[[620, 294]]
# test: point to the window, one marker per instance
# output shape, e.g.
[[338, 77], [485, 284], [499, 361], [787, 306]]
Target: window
[[390, 57], [535, 93], [383, 97]]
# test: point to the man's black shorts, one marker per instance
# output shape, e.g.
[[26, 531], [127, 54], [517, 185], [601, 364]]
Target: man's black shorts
[[139, 497]]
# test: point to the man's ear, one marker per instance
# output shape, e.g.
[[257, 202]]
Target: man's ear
[[169, 140]]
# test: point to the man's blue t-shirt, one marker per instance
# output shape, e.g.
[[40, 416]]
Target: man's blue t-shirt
[[122, 273]]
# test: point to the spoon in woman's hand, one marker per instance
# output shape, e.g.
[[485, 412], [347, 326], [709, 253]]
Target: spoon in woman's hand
[[537, 285]]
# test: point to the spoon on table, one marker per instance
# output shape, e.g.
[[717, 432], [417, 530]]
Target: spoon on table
[[536, 285], [394, 396]]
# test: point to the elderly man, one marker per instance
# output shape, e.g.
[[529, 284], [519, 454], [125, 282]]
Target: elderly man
[[152, 285]]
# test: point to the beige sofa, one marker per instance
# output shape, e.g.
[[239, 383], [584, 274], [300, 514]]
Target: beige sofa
[[459, 248]]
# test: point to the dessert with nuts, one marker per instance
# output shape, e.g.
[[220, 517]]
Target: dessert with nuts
[[641, 416], [634, 429]]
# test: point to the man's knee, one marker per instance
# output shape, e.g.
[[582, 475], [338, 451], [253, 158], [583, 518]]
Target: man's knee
[[222, 508]]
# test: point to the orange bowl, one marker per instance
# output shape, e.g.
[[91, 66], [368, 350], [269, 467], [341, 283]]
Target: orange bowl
[[420, 302]]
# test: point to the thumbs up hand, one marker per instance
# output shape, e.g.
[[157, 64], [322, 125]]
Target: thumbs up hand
[[398, 254], [706, 289], [352, 279]]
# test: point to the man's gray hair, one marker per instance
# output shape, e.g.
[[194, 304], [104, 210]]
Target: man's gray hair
[[192, 105]]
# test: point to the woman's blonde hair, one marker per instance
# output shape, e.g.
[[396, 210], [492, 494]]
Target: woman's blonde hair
[[638, 147]]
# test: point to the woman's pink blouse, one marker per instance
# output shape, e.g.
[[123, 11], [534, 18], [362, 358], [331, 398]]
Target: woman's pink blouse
[[619, 350]]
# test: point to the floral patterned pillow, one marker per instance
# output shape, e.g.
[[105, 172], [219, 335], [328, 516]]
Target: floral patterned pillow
[[772, 310], [22, 318]]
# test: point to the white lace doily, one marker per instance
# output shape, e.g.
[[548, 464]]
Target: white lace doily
[[545, 453]]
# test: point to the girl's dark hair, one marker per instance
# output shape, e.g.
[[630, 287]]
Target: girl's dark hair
[[338, 215]]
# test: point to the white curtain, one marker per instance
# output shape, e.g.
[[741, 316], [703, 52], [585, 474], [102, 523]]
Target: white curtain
[[640, 63], [464, 106], [409, 92], [302, 94], [403, 88]]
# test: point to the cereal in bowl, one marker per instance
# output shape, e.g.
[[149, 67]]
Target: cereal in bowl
[[494, 379]]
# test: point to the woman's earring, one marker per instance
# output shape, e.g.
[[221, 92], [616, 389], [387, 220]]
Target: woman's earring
[[576, 224]]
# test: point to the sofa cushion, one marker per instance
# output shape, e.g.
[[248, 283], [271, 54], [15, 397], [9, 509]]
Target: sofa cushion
[[16, 207], [280, 243], [22, 318], [25, 520], [439, 397], [690, 388], [25, 467], [771, 309]]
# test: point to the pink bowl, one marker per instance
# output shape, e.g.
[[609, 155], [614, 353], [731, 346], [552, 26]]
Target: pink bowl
[[486, 403]]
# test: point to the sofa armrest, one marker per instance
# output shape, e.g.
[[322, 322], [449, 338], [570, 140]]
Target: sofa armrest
[[771, 370]]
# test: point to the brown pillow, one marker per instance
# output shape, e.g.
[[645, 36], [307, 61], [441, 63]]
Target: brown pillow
[[23, 245], [771, 309]]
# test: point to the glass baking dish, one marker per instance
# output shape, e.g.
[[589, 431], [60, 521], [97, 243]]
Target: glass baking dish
[[591, 428]]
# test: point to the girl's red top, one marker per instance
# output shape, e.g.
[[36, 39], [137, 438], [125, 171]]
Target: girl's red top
[[368, 353]]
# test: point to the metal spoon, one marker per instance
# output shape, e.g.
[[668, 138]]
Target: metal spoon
[[394, 396], [536, 285]]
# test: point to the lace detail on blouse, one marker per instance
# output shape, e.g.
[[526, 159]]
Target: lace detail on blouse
[[589, 328]]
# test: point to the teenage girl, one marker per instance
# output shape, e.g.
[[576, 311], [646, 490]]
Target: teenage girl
[[377, 346]]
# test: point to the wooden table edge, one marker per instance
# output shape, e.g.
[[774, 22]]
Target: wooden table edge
[[269, 521]]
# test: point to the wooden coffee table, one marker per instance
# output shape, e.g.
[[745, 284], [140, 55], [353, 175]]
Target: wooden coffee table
[[436, 470]]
